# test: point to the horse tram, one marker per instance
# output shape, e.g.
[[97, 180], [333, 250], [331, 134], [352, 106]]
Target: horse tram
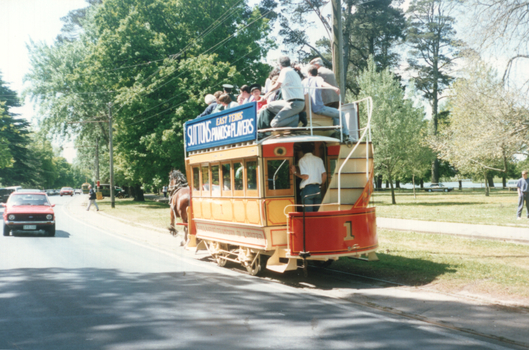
[[244, 200]]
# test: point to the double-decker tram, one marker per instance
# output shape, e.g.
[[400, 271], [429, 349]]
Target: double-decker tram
[[245, 200]]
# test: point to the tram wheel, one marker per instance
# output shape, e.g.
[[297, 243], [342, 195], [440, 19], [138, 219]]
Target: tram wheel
[[220, 261], [255, 268]]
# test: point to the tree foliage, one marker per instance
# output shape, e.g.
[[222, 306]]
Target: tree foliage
[[369, 28], [431, 36], [396, 123], [487, 126], [152, 61]]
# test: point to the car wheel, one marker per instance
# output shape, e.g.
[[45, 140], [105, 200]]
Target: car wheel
[[6, 230], [429, 190], [71, 195], [61, 195], [51, 231]]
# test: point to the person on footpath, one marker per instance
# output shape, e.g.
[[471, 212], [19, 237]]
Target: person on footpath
[[91, 198], [164, 190], [523, 194], [312, 173]]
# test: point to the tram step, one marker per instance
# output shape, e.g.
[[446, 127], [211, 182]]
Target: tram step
[[347, 196], [356, 179], [354, 165], [360, 151]]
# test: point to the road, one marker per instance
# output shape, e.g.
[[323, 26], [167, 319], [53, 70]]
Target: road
[[88, 288]]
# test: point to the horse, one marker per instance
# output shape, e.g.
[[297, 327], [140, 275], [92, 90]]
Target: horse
[[178, 200]]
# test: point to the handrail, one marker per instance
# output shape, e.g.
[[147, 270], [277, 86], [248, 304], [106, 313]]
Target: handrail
[[367, 129], [274, 179]]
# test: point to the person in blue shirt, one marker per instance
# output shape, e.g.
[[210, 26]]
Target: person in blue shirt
[[523, 194], [211, 101]]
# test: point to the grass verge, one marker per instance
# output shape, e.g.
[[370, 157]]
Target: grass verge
[[470, 207], [148, 213], [492, 269]]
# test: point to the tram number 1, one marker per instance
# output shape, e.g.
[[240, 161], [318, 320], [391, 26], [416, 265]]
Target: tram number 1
[[348, 231]]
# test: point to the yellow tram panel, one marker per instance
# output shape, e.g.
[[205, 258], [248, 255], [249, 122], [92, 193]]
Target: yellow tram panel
[[275, 211], [225, 154]]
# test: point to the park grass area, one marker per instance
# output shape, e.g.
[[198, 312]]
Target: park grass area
[[469, 207], [147, 213], [490, 269]]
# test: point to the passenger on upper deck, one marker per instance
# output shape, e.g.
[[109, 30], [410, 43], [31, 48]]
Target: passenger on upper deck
[[244, 96], [313, 84], [227, 90], [226, 101], [255, 90], [329, 97], [293, 102], [211, 101]]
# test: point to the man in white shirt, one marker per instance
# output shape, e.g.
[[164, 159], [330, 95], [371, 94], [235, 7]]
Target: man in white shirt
[[312, 173], [286, 110]]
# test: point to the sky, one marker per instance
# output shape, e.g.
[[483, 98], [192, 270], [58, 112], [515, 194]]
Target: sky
[[39, 20]]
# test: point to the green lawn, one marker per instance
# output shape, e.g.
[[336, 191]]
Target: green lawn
[[449, 264], [471, 207], [148, 213]]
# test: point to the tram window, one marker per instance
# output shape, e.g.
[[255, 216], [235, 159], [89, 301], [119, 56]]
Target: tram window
[[238, 169], [226, 177], [252, 175], [332, 165], [205, 178], [215, 184], [278, 174], [196, 179]]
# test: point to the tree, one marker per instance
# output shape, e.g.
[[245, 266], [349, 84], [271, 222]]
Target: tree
[[154, 61], [503, 24], [431, 36], [369, 28], [396, 123], [487, 126]]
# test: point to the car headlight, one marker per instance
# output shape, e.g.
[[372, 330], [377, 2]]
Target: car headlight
[[11, 217], [49, 216]]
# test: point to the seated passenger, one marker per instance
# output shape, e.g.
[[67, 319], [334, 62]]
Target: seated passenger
[[287, 110], [255, 90], [313, 84], [211, 101], [226, 101], [244, 96]]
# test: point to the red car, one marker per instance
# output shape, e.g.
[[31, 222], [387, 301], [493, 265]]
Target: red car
[[66, 191], [29, 211]]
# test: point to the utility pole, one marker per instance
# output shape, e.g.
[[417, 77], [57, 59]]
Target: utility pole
[[97, 158], [112, 196], [337, 45]]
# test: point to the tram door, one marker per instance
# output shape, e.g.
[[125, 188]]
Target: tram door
[[319, 151]]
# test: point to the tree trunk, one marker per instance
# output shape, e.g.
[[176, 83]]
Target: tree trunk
[[397, 184], [422, 184], [392, 190], [379, 182], [435, 171], [387, 184], [137, 193], [413, 181], [486, 183], [504, 180], [460, 185], [490, 179]]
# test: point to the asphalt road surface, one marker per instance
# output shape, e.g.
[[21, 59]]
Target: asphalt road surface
[[88, 289]]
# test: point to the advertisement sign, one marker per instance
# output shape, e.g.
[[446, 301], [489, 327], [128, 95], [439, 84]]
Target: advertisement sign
[[234, 125]]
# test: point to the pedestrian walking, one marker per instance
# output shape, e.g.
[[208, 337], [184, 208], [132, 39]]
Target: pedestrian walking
[[164, 190], [523, 194], [91, 198]]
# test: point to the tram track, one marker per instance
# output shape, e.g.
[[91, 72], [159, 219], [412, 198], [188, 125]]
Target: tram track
[[323, 273]]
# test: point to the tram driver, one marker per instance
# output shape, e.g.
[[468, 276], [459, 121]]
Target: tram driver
[[313, 174]]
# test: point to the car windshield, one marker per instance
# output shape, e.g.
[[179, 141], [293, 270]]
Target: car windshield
[[28, 199]]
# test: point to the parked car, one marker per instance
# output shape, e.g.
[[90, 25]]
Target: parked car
[[118, 191], [66, 191], [511, 185], [78, 191], [4, 194], [29, 211], [438, 188]]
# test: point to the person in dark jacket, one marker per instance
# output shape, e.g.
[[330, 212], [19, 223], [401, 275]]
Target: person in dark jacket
[[91, 198], [211, 101]]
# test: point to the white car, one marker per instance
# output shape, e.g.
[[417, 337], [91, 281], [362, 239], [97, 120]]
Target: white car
[[511, 185]]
